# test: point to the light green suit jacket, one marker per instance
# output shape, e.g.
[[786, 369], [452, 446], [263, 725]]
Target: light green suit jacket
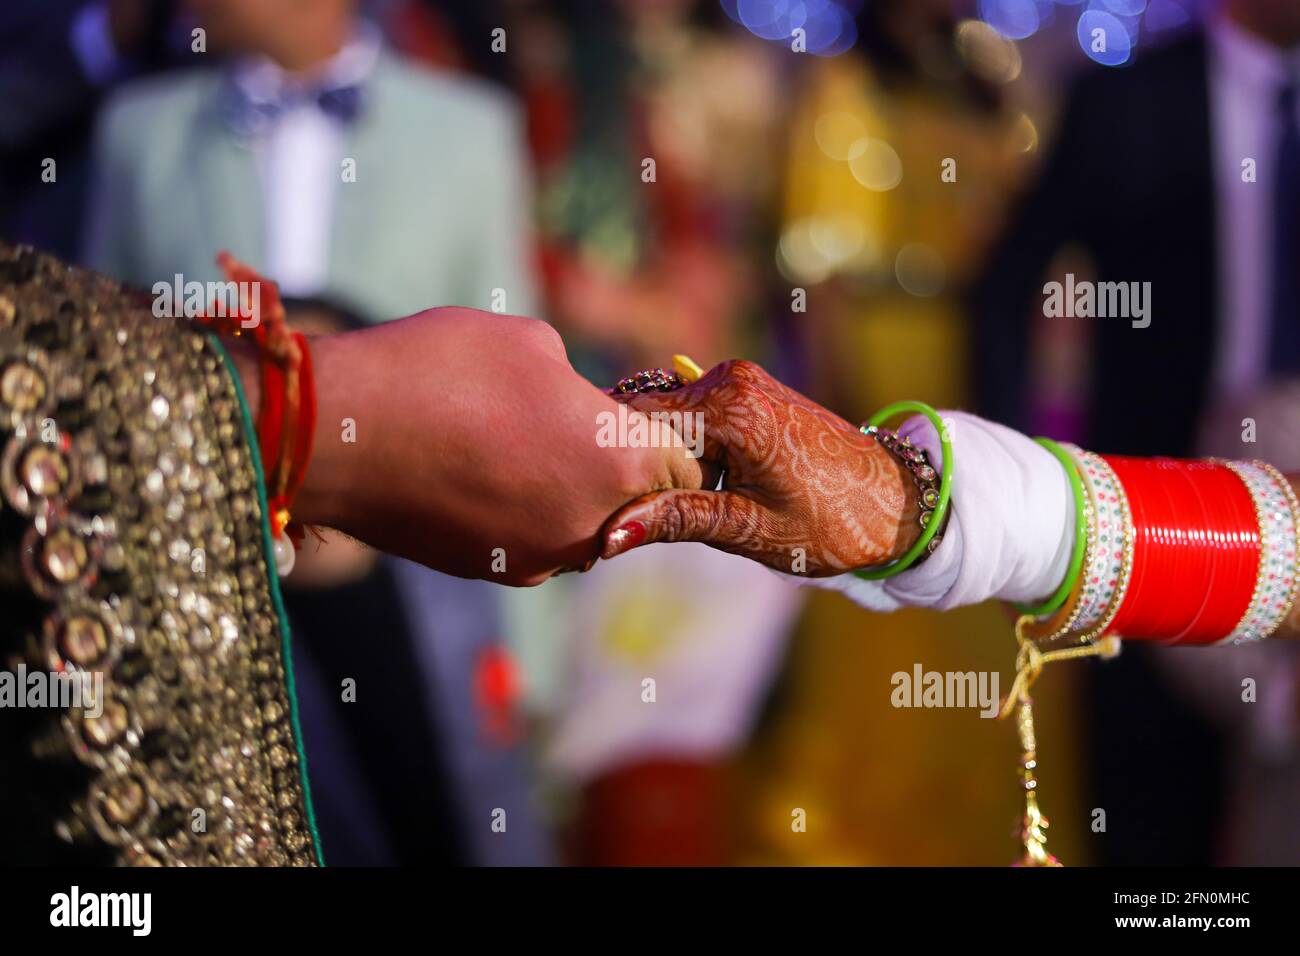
[[438, 214]]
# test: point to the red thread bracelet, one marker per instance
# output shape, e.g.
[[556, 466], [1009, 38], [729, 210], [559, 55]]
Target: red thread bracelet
[[286, 418], [304, 438]]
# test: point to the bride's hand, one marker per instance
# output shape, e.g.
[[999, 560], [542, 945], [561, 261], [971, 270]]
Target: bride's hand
[[803, 490], [465, 441]]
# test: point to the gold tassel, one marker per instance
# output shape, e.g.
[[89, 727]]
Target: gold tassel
[[1029, 664]]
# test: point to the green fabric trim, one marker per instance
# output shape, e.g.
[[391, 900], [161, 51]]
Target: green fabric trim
[[286, 650]]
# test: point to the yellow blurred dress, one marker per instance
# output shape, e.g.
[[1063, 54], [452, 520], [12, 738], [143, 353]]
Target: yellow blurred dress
[[880, 785]]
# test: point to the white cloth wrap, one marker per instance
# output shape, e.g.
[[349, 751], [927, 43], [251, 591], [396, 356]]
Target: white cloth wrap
[[1010, 531]]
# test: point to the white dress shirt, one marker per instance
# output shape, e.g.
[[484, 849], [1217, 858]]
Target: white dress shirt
[[299, 159], [1245, 76]]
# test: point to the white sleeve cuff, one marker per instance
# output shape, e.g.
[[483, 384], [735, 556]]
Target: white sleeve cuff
[[1011, 527]]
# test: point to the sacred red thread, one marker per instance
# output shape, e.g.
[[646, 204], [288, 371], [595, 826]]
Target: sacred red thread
[[286, 419]]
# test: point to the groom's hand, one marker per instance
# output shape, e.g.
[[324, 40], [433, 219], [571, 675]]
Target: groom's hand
[[803, 490], [465, 441]]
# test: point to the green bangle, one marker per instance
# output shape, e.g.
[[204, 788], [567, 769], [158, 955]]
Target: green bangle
[[945, 489], [1080, 535]]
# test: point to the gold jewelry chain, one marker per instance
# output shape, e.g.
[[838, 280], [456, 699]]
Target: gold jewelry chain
[[1030, 660]]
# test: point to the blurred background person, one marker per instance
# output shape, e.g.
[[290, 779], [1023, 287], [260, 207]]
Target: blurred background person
[[654, 134], [883, 243], [340, 168], [350, 176], [1252, 699], [1250, 694], [58, 59], [1178, 171]]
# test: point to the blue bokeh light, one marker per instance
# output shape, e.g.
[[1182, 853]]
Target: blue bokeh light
[[771, 19], [1100, 27], [1014, 19], [1125, 8], [828, 26], [1165, 15]]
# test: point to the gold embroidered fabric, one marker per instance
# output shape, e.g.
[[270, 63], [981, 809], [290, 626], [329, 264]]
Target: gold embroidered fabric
[[131, 546]]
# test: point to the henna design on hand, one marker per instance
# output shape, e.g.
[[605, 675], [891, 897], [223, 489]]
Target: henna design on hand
[[798, 479]]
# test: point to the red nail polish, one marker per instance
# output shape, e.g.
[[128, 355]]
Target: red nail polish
[[624, 538]]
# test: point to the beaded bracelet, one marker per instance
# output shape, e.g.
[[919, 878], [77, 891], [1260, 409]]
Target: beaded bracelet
[[940, 512], [1106, 583], [917, 463], [1100, 588], [1278, 514]]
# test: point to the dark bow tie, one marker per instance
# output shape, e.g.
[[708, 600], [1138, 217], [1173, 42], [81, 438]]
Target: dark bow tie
[[248, 116]]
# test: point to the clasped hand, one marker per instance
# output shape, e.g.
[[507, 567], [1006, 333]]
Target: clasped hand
[[475, 451]]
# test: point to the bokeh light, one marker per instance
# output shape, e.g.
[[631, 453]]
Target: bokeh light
[[797, 257], [919, 269], [989, 54], [771, 19], [828, 26], [1164, 15], [1014, 19], [1104, 37], [837, 132], [1125, 8], [875, 164], [1024, 134], [813, 248], [839, 239]]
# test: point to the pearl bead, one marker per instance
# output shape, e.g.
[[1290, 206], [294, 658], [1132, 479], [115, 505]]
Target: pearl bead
[[285, 554]]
